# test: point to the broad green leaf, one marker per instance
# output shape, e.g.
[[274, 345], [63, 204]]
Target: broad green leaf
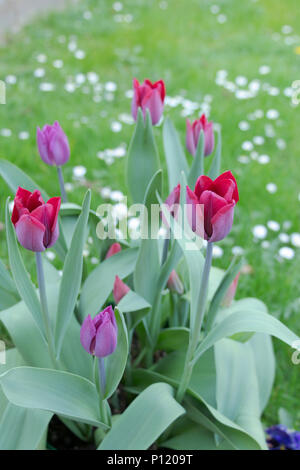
[[215, 168], [238, 392], [246, 321], [175, 157], [14, 177], [221, 291], [99, 283], [197, 168], [72, 274], [20, 428], [265, 365], [142, 160], [144, 420], [135, 304], [147, 265], [23, 283], [173, 339], [6, 281], [60, 392]]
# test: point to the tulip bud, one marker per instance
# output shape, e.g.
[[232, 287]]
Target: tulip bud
[[211, 206], [174, 283], [149, 96], [231, 292], [34, 220], [53, 144], [99, 336], [113, 249], [193, 135], [120, 289]]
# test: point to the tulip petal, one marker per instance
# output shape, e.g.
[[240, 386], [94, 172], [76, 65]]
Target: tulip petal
[[212, 204], [227, 175], [120, 289], [154, 103], [190, 143], [87, 333], [195, 213], [106, 338], [43, 146], [222, 222], [59, 147], [203, 183], [30, 233]]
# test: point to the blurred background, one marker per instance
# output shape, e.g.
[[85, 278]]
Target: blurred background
[[237, 61]]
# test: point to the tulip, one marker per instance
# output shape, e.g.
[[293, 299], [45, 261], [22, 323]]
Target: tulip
[[211, 206], [174, 283], [114, 248], [193, 135], [229, 296], [53, 144], [35, 221], [120, 289], [99, 336], [148, 96]]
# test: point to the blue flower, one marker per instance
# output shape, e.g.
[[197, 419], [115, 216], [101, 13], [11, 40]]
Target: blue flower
[[279, 437]]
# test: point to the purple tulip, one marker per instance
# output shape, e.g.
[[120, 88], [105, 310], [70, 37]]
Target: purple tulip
[[35, 221], [53, 144], [193, 135], [99, 336], [149, 96]]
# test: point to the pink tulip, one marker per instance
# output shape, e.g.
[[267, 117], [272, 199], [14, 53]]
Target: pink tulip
[[99, 336], [193, 135], [230, 294], [120, 289], [113, 249], [174, 283], [53, 144], [211, 206], [148, 96], [35, 221]]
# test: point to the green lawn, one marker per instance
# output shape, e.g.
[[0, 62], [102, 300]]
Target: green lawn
[[186, 43]]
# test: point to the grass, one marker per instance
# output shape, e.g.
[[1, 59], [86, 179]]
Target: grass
[[185, 45]]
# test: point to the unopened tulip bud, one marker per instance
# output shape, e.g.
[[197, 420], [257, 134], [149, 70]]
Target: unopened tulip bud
[[99, 336], [53, 144], [230, 294], [149, 96], [114, 248], [120, 289], [174, 283], [193, 135]]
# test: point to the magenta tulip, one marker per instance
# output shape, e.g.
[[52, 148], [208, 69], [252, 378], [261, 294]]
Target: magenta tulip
[[211, 206], [120, 289], [53, 144], [193, 135], [148, 96], [113, 249], [99, 336], [174, 283], [35, 221]]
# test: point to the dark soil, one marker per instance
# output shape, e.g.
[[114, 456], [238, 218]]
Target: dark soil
[[61, 438]]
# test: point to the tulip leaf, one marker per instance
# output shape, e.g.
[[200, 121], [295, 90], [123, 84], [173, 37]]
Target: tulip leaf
[[21, 277], [197, 168], [136, 305], [99, 283], [115, 363], [222, 289], [173, 339], [14, 177], [69, 395], [144, 420], [215, 168], [246, 321], [145, 280], [142, 159], [175, 157], [72, 274]]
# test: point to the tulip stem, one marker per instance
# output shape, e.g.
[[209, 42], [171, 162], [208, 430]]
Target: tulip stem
[[104, 407], [102, 375], [195, 329], [44, 305], [62, 184]]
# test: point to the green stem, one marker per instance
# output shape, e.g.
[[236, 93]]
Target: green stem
[[45, 311], [102, 384], [62, 184], [196, 328]]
